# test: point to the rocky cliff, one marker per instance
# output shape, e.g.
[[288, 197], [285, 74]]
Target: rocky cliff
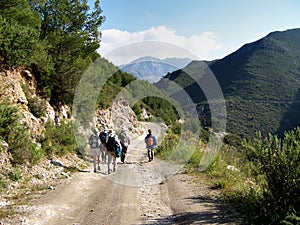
[[18, 87]]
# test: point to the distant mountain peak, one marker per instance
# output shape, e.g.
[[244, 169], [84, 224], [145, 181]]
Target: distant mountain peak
[[152, 68], [144, 58]]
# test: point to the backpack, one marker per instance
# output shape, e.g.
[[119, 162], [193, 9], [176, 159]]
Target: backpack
[[94, 141], [150, 141], [103, 137], [113, 146]]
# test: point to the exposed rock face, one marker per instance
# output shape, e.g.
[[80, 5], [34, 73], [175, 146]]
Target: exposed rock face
[[14, 89], [14, 86], [118, 117]]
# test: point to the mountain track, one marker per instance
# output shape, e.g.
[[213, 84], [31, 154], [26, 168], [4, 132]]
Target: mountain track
[[140, 192]]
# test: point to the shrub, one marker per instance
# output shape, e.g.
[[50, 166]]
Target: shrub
[[15, 133], [15, 174], [58, 139], [37, 105], [276, 162], [36, 153], [164, 150]]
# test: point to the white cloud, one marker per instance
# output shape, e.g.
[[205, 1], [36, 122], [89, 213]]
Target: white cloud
[[121, 47]]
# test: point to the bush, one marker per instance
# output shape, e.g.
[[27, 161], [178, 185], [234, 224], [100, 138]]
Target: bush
[[276, 163], [15, 133], [164, 150], [36, 105], [15, 174], [58, 139], [36, 153]]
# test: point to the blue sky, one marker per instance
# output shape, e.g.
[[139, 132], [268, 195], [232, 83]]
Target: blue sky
[[209, 29]]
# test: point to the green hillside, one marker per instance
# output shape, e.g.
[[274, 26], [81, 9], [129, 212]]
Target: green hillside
[[260, 82]]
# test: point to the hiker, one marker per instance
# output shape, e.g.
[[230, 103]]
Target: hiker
[[103, 152], [103, 135], [112, 146], [125, 141], [95, 149], [150, 141]]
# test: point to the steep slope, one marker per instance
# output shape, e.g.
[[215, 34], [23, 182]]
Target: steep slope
[[260, 82]]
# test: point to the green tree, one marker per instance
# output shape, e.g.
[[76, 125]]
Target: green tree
[[19, 36], [72, 34], [20, 11]]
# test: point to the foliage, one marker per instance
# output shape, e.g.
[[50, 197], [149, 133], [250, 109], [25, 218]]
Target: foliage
[[194, 161], [233, 140], [56, 39], [58, 139], [3, 185], [190, 151], [228, 170], [112, 87], [260, 176], [71, 33], [163, 109], [36, 104], [15, 174], [15, 132], [260, 83], [276, 169], [165, 149], [291, 220], [20, 45], [20, 11], [36, 152]]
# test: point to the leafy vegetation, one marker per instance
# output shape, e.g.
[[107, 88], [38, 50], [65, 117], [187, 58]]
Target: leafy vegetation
[[260, 83], [276, 163], [112, 87], [15, 133], [57, 40], [36, 104], [261, 177], [58, 139]]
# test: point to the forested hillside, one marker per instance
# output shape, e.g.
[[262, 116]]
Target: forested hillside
[[260, 83], [49, 67], [56, 40]]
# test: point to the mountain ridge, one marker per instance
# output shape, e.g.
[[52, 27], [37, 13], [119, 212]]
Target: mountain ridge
[[260, 82], [152, 68]]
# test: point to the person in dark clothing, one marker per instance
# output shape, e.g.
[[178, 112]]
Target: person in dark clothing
[[150, 141], [125, 141]]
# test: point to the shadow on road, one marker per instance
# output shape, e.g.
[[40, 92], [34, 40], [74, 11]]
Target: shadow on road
[[217, 214], [188, 218], [70, 168]]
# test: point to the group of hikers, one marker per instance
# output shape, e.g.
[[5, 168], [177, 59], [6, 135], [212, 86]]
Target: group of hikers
[[107, 146]]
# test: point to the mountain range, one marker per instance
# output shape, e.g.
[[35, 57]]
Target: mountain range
[[260, 83], [153, 69]]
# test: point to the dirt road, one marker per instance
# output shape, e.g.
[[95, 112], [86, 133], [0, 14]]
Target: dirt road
[[140, 192]]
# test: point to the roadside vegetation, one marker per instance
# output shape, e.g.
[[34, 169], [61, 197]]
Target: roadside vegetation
[[260, 175]]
